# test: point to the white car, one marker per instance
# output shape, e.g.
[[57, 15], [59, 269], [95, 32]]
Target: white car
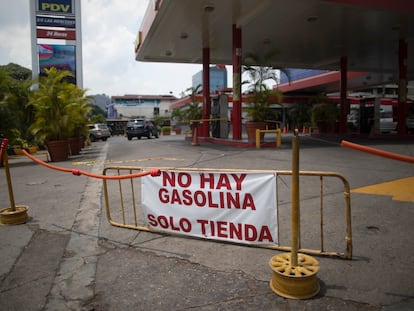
[[98, 131], [387, 123], [410, 124]]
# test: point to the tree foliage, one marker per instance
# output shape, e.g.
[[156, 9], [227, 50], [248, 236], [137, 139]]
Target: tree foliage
[[15, 118], [60, 107], [17, 72], [260, 94], [193, 111], [300, 115], [96, 114], [17, 115]]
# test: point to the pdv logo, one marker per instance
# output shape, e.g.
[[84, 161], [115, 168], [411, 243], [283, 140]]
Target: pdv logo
[[55, 6]]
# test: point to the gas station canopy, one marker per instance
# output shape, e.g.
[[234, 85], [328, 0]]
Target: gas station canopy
[[311, 34]]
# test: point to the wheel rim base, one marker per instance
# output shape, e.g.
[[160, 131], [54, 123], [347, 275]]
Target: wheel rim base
[[8, 216], [300, 282]]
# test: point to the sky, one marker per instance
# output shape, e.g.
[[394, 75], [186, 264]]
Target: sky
[[109, 29]]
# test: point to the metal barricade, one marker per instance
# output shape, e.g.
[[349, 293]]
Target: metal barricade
[[124, 209]]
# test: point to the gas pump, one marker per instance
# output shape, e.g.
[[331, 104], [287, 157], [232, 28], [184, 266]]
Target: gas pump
[[219, 128], [366, 114]]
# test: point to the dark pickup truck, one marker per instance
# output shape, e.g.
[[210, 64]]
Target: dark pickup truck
[[140, 128]]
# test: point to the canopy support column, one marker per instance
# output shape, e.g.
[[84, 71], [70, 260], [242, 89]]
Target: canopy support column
[[402, 87], [205, 128], [236, 111], [343, 92]]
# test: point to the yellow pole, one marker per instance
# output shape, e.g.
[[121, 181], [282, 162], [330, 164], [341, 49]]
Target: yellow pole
[[295, 199], [257, 138], [278, 138]]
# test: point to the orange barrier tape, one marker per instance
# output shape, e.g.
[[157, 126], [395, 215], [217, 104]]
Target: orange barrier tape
[[382, 153], [155, 172]]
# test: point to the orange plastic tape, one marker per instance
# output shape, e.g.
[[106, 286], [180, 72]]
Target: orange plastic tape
[[378, 152]]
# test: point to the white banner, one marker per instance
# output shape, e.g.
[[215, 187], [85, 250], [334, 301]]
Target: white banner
[[232, 206]]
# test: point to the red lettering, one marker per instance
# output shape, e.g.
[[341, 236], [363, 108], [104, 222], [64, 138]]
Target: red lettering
[[173, 227], [212, 230], [163, 195], [203, 224], [222, 205], [222, 229], [200, 198], [187, 199], [162, 220], [175, 197], [233, 201], [265, 234], [210, 200], [152, 220], [248, 202], [235, 231], [239, 180], [168, 178], [223, 182], [185, 225], [209, 180], [168, 223], [181, 178], [250, 233]]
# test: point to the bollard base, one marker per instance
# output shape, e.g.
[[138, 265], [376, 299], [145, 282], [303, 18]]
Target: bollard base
[[8, 216], [299, 282]]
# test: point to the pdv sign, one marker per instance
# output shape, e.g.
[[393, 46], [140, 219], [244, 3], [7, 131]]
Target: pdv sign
[[57, 7]]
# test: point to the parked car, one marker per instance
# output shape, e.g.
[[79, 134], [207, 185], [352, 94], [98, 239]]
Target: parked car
[[98, 131], [141, 128], [387, 123], [410, 124]]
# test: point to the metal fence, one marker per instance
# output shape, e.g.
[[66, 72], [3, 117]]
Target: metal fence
[[325, 212]]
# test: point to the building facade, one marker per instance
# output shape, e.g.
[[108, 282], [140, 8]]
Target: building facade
[[218, 78], [148, 106]]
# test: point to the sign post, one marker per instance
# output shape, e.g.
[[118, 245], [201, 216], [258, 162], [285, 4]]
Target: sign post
[[294, 274], [57, 24]]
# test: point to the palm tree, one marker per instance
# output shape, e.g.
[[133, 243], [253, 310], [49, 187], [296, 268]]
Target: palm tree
[[193, 111], [8, 118], [78, 109], [57, 105], [300, 115], [261, 95], [177, 115], [60, 108], [15, 117]]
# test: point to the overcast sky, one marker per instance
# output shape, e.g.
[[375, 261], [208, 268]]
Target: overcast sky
[[109, 29]]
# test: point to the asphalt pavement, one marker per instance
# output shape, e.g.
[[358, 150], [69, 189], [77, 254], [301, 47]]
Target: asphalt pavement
[[69, 257]]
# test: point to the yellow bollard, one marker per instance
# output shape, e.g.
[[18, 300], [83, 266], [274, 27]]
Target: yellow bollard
[[294, 275], [14, 214], [278, 138], [257, 138]]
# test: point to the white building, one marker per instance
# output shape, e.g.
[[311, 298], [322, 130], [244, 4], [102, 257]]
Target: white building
[[149, 106]]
